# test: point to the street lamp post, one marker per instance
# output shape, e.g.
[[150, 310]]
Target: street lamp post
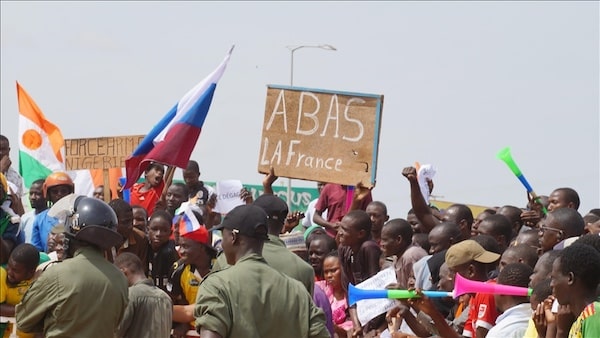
[[292, 50]]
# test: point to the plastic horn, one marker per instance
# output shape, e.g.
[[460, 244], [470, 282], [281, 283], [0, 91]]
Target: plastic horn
[[355, 294], [506, 157], [463, 286]]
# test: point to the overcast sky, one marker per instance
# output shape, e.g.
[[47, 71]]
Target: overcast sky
[[461, 80]]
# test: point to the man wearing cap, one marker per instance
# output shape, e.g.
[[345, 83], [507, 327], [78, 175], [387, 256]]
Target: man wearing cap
[[250, 298], [274, 251], [197, 255], [469, 259]]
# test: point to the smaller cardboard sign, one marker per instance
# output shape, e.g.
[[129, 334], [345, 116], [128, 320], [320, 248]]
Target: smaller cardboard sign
[[368, 309], [228, 195], [99, 152]]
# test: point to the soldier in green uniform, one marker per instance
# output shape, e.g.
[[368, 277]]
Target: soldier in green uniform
[[251, 299], [274, 251], [85, 295]]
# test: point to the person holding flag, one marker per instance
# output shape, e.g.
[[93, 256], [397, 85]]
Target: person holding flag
[[174, 137], [148, 193]]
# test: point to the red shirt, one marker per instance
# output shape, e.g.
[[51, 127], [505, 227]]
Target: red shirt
[[146, 199], [333, 199], [482, 313]]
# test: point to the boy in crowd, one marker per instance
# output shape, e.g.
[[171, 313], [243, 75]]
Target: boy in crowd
[[396, 240], [38, 204], [541, 291], [543, 267], [16, 280], [162, 253], [8, 230], [427, 269], [198, 192], [574, 283], [56, 186], [499, 227], [333, 200], [177, 193], [148, 193], [145, 301], [378, 212], [519, 254], [515, 310], [140, 218], [134, 240], [197, 256], [469, 259], [359, 254], [563, 198]]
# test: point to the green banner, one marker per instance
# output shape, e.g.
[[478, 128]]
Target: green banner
[[301, 197]]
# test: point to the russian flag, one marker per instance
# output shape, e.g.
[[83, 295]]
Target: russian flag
[[188, 222], [173, 139]]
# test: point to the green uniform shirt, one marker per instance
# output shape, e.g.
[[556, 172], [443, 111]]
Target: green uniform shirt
[[252, 300], [84, 296], [281, 259], [147, 301]]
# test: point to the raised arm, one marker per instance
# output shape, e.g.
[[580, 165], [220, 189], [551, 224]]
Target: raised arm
[[318, 219], [420, 207], [268, 181]]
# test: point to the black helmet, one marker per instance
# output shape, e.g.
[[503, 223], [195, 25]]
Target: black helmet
[[91, 220]]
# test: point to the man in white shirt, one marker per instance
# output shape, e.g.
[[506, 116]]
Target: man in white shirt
[[38, 204], [307, 221], [516, 310]]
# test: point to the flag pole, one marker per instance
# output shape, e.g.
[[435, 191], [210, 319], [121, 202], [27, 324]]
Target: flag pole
[[106, 181], [168, 180]]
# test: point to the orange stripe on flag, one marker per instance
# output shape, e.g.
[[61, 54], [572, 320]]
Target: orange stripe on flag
[[29, 109]]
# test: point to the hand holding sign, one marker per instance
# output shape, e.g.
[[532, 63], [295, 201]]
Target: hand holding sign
[[268, 181], [360, 193]]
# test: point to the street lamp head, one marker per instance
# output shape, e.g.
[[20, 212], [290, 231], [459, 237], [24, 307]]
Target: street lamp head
[[327, 47], [324, 46]]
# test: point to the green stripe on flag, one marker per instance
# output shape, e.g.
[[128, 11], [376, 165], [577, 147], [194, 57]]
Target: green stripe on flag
[[31, 169]]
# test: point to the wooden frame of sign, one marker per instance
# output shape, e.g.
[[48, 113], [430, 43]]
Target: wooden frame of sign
[[321, 135], [100, 153]]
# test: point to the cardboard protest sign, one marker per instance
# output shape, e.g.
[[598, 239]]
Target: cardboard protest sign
[[99, 152], [368, 309], [321, 135]]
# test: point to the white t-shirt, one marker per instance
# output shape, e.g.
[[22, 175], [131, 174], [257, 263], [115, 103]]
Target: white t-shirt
[[307, 221]]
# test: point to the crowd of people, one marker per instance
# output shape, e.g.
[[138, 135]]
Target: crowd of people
[[165, 264]]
